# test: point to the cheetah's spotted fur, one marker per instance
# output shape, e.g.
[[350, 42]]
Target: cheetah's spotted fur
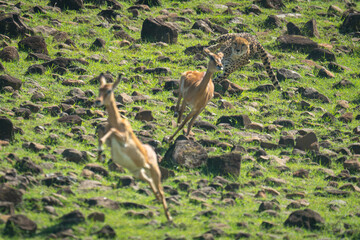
[[238, 48]]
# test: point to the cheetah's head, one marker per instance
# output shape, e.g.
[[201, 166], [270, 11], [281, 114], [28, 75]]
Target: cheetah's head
[[240, 46]]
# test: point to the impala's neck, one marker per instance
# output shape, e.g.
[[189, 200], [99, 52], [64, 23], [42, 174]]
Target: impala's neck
[[207, 76], [113, 113]]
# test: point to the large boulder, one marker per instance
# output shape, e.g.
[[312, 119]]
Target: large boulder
[[226, 164], [67, 4], [20, 224], [306, 218], [185, 153], [9, 194], [12, 26], [296, 42], [34, 44], [9, 54], [6, 80], [154, 30], [351, 23], [307, 142], [6, 129]]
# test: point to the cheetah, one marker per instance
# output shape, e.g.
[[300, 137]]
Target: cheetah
[[238, 48]]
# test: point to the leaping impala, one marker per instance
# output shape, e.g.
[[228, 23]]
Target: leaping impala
[[126, 149], [196, 89]]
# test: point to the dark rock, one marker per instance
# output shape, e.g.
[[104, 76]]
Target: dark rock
[[351, 23], [267, 224], [276, 4], [71, 119], [98, 43], [307, 142], [34, 44], [20, 224], [226, 164], [203, 9], [346, 117], [306, 218], [328, 117], [186, 153], [203, 26], [324, 73], [283, 74], [310, 29], [312, 93], [150, 3], [352, 165], [355, 148], [22, 112], [2, 68], [96, 168], [67, 4], [272, 21], [97, 217], [51, 201], [154, 30], [268, 205], [297, 43], [12, 25], [265, 88], [36, 69], [322, 159], [106, 232], [287, 141], [240, 235], [301, 173], [205, 125], [109, 14], [6, 129], [102, 202], [9, 54], [6, 80], [235, 120], [57, 181], [337, 192], [158, 70], [26, 165], [38, 56], [9, 194], [292, 29], [123, 35], [253, 8], [76, 156], [125, 181], [144, 115], [284, 123], [74, 217], [7, 208], [335, 67], [321, 54]]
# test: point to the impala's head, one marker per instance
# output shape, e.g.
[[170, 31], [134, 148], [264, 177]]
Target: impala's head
[[240, 46], [215, 60], [106, 91]]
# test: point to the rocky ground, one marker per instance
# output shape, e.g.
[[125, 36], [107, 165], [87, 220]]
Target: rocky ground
[[262, 164]]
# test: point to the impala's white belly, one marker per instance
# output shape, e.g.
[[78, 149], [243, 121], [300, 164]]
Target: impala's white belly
[[119, 156]]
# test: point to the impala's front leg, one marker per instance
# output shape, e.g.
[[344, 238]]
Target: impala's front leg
[[122, 137]]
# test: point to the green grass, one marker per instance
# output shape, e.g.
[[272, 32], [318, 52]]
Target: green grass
[[253, 104]]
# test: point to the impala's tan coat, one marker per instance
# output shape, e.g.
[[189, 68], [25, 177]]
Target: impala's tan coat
[[126, 148], [196, 90]]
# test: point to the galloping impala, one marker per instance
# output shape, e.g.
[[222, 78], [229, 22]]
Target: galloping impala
[[126, 149], [196, 89]]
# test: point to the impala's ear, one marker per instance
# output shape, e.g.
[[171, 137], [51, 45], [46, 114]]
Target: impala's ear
[[220, 55], [102, 80], [116, 83]]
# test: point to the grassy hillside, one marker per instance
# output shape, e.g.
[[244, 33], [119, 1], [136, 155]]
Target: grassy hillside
[[224, 217]]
